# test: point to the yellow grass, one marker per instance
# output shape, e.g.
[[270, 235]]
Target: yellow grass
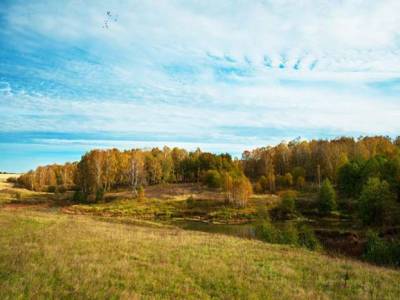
[[50, 255]]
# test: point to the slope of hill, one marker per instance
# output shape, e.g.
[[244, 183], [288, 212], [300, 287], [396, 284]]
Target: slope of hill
[[51, 255]]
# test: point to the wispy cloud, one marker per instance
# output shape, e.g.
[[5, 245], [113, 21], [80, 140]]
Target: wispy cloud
[[229, 73]]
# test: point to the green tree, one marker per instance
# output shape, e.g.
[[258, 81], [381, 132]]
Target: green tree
[[287, 206], [376, 203], [212, 179], [326, 198]]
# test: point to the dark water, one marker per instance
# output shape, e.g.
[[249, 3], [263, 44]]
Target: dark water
[[242, 230]]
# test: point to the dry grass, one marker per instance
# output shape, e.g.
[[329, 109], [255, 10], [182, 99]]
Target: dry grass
[[49, 255], [19, 196]]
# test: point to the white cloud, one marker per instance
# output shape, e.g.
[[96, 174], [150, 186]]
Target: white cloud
[[194, 68]]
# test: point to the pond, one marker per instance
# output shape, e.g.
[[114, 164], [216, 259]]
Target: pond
[[242, 230], [331, 233]]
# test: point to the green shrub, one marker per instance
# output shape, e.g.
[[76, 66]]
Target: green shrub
[[307, 238], [288, 235], [376, 203], [266, 231], [287, 206], [190, 202], [99, 194], [326, 198], [51, 189], [212, 179], [381, 251], [79, 197]]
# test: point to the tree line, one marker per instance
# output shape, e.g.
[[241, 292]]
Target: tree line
[[298, 162], [347, 163], [100, 171]]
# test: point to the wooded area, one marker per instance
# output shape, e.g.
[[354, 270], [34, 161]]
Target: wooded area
[[347, 162]]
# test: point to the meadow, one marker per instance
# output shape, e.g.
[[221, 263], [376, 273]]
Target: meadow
[[53, 255], [48, 253]]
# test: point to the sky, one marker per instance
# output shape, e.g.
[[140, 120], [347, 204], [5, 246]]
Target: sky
[[224, 76]]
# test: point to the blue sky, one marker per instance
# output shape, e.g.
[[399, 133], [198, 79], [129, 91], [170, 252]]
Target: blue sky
[[223, 75]]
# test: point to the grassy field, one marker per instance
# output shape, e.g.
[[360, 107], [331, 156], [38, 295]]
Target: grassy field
[[51, 255], [10, 194], [115, 250], [188, 201]]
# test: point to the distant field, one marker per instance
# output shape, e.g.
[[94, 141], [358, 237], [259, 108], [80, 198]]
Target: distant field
[[50, 255], [3, 179], [11, 194]]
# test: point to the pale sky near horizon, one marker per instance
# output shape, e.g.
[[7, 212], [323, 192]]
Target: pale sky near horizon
[[222, 75]]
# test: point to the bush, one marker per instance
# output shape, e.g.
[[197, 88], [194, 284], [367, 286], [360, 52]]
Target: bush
[[12, 180], [99, 194], [300, 182], [288, 235], [51, 189], [307, 238], [190, 202], [263, 183], [288, 179], [62, 189], [79, 197], [266, 231], [140, 193], [212, 179], [327, 198], [258, 188], [287, 206], [376, 203], [380, 251]]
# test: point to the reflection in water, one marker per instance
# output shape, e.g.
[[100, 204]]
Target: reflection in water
[[243, 230]]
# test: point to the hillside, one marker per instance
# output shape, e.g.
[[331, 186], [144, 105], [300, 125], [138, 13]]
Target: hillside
[[50, 255]]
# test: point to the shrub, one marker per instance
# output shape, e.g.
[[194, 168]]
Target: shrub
[[287, 206], [12, 180], [263, 182], [376, 203], [62, 189], [140, 193], [99, 194], [212, 179], [190, 202], [327, 198], [307, 238], [298, 172], [380, 251], [300, 182], [79, 197], [266, 231], [288, 235], [51, 189], [258, 188], [288, 179], [303, 236]]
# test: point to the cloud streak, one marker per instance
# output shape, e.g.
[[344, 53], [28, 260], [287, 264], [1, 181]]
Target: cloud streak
[[239, 74]]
